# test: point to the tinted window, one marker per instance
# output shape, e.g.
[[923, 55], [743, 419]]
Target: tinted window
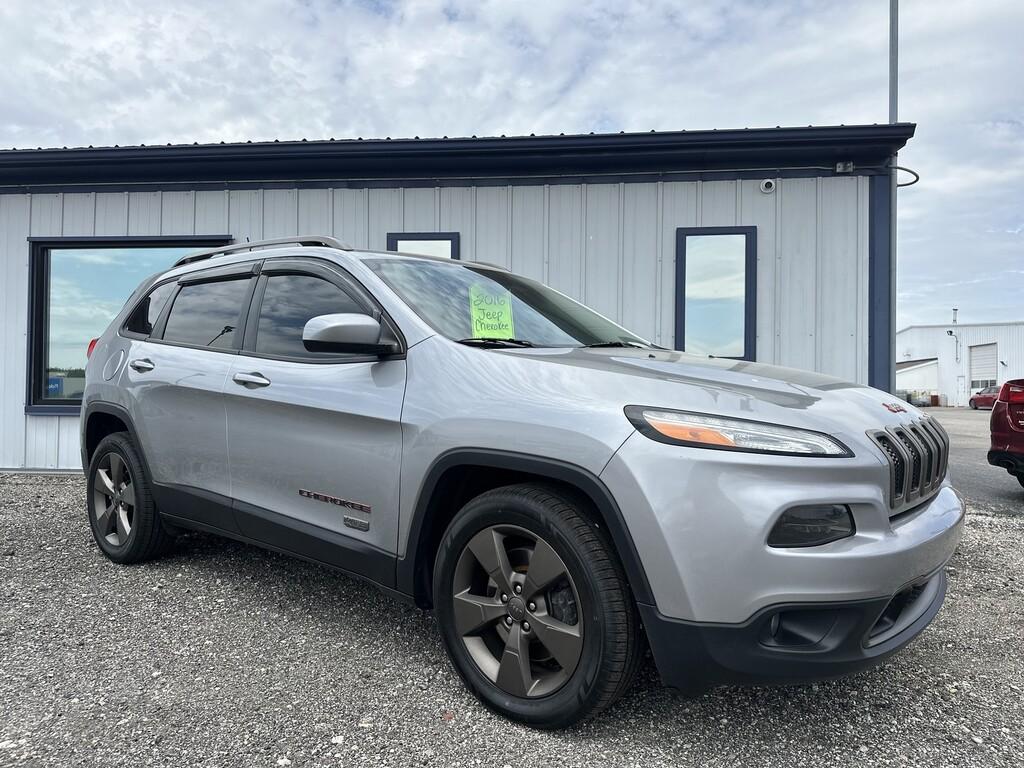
[[288, 303], [145, 315], [206, 314]]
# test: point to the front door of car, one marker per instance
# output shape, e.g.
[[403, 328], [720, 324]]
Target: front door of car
[[991, 393], [174, 380], [314, 438]]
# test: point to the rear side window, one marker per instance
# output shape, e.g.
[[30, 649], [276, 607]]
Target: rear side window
[[206, 314], [146, 312], [289, 302]]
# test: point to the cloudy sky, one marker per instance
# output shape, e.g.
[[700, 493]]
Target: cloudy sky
[[131, 71]]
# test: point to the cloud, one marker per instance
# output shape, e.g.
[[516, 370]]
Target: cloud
[[125, 72]]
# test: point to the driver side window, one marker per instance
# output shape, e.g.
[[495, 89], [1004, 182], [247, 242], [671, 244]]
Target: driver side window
[[289, 302]]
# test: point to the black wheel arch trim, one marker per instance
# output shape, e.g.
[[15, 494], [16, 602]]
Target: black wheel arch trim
[[110, 409], [412, 576]]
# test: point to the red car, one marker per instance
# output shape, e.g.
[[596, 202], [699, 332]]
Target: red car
[[1008, 430], [984, 398]]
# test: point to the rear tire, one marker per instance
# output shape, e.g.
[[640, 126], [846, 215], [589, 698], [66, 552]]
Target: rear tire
[[122, 515], [522, 572]]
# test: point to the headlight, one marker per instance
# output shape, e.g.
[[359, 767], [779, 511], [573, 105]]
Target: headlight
[[703, 431]]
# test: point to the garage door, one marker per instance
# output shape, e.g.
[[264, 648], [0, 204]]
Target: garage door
[[983, 366]]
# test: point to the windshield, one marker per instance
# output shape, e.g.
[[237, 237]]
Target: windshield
[[468, 303]]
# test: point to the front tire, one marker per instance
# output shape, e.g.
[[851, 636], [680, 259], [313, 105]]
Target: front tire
[[974, 405], [122, 515], [534, 608], [1020, 479]]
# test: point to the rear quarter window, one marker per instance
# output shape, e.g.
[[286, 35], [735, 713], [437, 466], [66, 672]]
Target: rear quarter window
[[143, 318]]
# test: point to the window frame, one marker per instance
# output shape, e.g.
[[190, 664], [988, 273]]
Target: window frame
[[340, 278], [453, 237], [39, 303], [245, 271], [749, 289]]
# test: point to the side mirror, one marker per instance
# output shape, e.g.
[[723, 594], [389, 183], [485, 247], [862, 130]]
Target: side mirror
[[346, 333]]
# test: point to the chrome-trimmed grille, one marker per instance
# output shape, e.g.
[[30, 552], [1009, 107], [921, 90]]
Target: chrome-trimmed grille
[[918, 455]]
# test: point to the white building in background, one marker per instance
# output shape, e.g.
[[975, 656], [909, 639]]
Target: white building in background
[[769, 245], [954, 361]]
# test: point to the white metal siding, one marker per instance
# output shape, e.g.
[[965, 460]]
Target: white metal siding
[[919, 378], [610, 245], [925, 341]]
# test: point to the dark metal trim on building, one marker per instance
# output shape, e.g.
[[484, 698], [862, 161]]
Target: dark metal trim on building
[[453, 237], [38, 304], [132, 241], [750, 284], [881, 365], [422, 182], [382, 159]]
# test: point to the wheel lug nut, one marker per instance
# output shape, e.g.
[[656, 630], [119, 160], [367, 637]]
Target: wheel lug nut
[[518, 588], [526, 626], [508, 621], [532, 606], [504, 597]]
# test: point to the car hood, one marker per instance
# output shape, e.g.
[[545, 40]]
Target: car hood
[[669, 379]]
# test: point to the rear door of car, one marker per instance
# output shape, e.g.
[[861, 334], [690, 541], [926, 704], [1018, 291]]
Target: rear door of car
[[314, 439], [174, 382]]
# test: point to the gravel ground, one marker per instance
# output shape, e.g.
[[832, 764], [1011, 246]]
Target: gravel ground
[[222, 654]]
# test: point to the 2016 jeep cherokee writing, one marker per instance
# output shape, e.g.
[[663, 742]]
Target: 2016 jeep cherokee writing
[[559, 490]]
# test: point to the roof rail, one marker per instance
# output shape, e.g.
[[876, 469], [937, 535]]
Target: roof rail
[[313, 240]]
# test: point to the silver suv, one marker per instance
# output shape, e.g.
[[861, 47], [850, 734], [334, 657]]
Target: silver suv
[[559, 490]]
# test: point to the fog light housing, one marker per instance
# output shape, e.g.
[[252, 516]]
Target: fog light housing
[[812, 526]]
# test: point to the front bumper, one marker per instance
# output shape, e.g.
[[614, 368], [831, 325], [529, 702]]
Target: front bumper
[[794, 643], [700, 520]]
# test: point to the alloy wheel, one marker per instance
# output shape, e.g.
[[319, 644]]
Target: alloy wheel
[[114, 499], [517, 611]]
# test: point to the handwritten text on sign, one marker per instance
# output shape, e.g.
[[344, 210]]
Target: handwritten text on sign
[[490, 313]]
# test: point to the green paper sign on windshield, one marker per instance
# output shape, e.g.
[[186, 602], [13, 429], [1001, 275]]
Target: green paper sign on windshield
[[490, 313]]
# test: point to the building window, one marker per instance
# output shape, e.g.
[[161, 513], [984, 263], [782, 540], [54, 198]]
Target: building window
[[982, 383], [77, 287], [443, 244], [716, 291]]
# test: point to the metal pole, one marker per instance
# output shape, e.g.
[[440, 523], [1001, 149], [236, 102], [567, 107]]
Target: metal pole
[[894, 41]]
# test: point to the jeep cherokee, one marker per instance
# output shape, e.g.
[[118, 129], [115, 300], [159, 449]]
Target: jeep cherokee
[[559, 490]]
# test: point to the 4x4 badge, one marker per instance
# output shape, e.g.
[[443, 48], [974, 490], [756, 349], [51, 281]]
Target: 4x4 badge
[[894, 408]]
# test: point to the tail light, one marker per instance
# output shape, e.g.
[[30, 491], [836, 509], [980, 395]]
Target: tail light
[[1012, 392], [92, 346]]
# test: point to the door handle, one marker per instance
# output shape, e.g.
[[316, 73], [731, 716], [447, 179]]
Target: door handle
[[251, 380], [142, 366]]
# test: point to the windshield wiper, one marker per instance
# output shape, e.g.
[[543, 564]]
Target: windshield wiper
[[598, 345], [496, 341]]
